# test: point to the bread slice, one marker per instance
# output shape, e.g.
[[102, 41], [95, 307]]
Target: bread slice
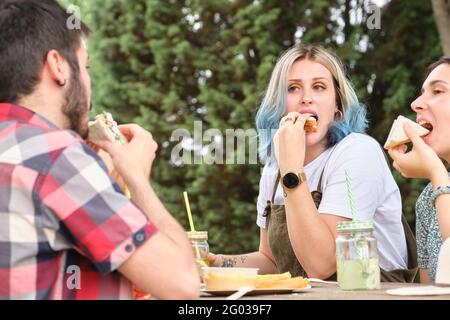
[[105, 128], [311, 124], [397, 135], [260, 278], [296, 282]]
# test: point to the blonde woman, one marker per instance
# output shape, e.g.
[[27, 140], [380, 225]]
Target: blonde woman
[[310, 81]]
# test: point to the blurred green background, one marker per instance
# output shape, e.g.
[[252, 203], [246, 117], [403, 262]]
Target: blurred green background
[[165, 64]]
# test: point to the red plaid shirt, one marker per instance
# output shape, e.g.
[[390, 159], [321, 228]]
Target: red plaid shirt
[[65, 226]]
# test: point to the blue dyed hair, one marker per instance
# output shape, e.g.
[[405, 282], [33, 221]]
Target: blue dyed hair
[[273, 106]]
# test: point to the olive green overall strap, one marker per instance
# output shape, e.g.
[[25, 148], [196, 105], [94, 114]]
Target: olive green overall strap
[[276, 186]]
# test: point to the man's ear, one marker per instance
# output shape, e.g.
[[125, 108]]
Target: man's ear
[[57, 67]]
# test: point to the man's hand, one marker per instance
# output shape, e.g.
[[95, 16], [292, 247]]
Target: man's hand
[[133, 161]]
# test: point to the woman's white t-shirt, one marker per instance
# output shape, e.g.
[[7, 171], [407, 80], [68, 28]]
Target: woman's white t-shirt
[[375, 194]]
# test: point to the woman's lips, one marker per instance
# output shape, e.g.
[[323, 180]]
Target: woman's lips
[[427, 125], [310, 112], [427, 138]]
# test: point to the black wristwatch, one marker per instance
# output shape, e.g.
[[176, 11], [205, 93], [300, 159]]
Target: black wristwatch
[[292, 180]]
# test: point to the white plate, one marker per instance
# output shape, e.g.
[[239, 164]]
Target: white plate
[[258, 291], [302, 289], [420, 291]]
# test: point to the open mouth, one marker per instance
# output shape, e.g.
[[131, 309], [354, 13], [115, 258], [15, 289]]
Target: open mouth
[[426, 125], [311, 121], [311, 113]]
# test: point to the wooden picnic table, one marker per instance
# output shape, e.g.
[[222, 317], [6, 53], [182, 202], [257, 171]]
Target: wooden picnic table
[[320, 291]]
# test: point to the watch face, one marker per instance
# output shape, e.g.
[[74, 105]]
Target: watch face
[[290, 180]]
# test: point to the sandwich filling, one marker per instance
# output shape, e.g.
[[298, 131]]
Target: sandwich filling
[[105, 128]]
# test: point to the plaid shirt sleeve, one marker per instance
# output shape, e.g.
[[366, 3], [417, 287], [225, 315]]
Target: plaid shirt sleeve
[[91, 211]]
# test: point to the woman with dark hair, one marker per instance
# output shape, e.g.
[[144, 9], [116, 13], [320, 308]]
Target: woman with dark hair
[[297, 226], [432, 110]]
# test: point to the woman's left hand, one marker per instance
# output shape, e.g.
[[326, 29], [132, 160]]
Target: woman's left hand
[[289, 143], [420, 162]]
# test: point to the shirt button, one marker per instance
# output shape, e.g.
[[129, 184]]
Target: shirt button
[[139, 237], [128, 248]]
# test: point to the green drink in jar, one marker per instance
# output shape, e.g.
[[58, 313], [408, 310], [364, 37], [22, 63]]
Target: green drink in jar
[[357, 256]]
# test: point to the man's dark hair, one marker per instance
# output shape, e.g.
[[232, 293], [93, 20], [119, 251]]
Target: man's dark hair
[[29, 29]]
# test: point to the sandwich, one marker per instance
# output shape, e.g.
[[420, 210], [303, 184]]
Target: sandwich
[[105, 128], [397, 135]]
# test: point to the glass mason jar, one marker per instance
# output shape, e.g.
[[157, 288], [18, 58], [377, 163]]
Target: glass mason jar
[[357, 256], [199, 241]]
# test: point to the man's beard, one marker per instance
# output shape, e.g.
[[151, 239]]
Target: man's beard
[[76, 106]]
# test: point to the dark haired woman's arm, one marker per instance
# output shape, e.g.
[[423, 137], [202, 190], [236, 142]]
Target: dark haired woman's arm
[[423, 162]]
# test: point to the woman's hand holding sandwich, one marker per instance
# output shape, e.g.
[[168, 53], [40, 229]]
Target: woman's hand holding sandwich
[[420, 162], [289, 143]]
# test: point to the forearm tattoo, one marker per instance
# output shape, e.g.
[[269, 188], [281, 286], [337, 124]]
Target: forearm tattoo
[[230, 262]]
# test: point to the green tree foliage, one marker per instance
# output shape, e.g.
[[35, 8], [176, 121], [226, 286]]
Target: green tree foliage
[[165, 64]]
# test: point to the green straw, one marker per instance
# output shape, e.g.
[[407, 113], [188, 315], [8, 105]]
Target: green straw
[[348, 181]]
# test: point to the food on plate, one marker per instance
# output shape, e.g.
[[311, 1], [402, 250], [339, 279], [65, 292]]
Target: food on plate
[[260, 278], [229, 278], [280, 281], [397, 135]]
